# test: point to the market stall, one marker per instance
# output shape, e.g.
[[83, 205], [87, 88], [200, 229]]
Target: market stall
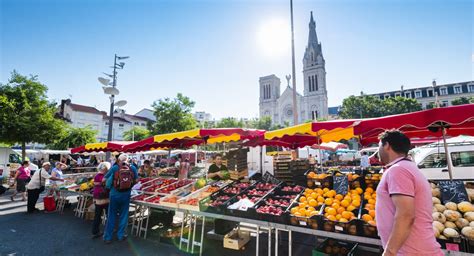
[[111, 146]]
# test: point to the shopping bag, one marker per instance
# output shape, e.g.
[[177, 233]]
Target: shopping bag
[[49, 203]]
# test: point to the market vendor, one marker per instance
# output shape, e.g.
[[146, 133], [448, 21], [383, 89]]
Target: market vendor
[[146, 170], [216, 169]]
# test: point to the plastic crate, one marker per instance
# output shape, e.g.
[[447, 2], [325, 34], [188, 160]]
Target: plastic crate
[[333, 247]]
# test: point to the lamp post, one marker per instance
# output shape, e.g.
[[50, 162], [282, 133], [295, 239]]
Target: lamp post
[[112, 91]]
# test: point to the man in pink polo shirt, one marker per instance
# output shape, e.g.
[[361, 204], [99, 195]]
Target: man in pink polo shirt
[[404, 202]]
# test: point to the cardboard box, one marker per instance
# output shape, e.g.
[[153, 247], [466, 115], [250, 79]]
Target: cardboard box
[[236, 239]]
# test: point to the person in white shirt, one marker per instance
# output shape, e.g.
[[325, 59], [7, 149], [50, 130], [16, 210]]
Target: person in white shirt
[[80, 162], [36, 185], [364, 160]]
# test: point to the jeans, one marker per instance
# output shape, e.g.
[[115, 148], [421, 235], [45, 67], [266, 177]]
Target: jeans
[[33, 195], [97, 217], [118, 206]]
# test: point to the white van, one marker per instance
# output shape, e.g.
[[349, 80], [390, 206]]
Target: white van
[[9, 162], [431, 159]]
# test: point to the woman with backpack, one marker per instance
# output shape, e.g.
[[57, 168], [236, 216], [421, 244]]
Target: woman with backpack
[[101, 198], [22, 176]]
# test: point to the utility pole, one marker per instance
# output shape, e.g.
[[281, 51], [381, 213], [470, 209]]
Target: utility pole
[[295, 107]]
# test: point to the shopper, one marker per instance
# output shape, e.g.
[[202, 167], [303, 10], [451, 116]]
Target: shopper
[[184, 170], [216, 169], [57, 172], [404, 202], [101, 197], [364, 160], [120, 179], [22, 176], [36, 185], [146, 169]]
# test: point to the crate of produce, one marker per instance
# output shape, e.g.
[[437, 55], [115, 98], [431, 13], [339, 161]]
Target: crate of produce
[[174, 186], [322, 180], [140, 197], [270, 213], [356, 181], [170, 201], [305, 216], [216, 203], [191, 202], [238, 175], [333, 247], [286, 189], [372, 180], [344, 225], [157, 184], [244, 212], [154, 199], [366, 250]]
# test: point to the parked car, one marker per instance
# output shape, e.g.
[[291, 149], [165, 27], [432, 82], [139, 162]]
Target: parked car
[[431, 159], [10, 160]]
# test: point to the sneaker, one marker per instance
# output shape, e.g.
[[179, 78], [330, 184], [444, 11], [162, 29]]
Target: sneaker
[[123, 238]]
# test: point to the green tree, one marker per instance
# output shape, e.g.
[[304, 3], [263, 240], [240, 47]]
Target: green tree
[[462, 101], [74, 137], [26, 115], [136, 133], [173, 115], [264, 123], [369, 106], [230, 122], [399, 105]]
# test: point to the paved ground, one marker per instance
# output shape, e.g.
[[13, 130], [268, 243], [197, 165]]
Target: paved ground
[[56, 234]]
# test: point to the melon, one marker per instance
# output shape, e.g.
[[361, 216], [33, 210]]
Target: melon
[[452, 215], [436, 232], [469, 216], [437, 216], [200, 183], [435, 192], [442, 237], [436, 200], [440, 207], [461, 223], [451, 206], [471, 224], [433, 186], [450, 224], [465, 207], [438, 225], [468, 232], [225, 175], [450, 233]]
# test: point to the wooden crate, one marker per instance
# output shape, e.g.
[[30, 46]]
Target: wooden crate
[[236, 239]]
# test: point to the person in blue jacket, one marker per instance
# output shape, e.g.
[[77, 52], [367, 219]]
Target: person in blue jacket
[[119, 201]]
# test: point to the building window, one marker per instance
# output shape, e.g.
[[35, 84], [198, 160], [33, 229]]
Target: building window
[[106, 123], [315, 82], [418, 94], [457, 89], [386, 96], [430, 93], [408, 95], [443, 91], [136, 123], [289, 112], [397, 94], [471, 88], [121, 125], [314, 114], [445, 103]]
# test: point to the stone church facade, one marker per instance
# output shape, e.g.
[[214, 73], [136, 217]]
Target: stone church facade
[[313, 104]]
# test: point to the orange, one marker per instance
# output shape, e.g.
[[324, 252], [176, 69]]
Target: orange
[[338, 217], [302, 199], [367, 196], [353, 218], [319, 191], [356, 203], [311, 209], [343, 220], [294, 209], [298, 214], [346, 214], [340, 210], [372, 222], [326, 190], [328, 201], [335, 205], [302, 205], [312, 213], [331, 217], [369, 207], [311, 174], [339, 197], [350, 208], [333, 193], [367, 217], [332, 211], [302, 211], [372, 213], [374, 196], [314, 195], [312, 202], [371, 201], [345, 203], [369, 190], [320, 199], [359, 191]]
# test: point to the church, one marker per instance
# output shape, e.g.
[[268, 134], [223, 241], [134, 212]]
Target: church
[[313, 104]]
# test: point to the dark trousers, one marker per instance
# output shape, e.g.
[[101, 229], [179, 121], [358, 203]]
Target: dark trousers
[[33, 195], [97, 217]]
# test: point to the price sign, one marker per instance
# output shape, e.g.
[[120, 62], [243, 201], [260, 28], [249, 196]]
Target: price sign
[[453, 191], [341, 184]]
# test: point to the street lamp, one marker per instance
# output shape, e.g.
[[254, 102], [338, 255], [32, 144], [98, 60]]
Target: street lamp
[[110, 89]]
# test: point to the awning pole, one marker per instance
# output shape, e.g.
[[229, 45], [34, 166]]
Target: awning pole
[[261, 160], [448, 156], [320, 156]]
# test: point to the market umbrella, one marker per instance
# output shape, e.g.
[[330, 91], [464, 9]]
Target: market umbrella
[[110, 146], [437, 122], [330, 146], [190, 138]]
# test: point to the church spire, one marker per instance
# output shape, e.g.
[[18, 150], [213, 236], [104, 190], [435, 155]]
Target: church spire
[[312, 38]]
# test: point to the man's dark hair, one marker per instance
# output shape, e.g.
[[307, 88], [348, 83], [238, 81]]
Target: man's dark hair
[[364, 153], [216, 155], [25, 162], [146, 162], [399, 142]]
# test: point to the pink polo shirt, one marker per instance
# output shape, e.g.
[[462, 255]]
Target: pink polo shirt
[[403, 177]]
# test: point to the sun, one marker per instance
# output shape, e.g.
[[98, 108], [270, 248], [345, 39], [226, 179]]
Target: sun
[[273, 37]]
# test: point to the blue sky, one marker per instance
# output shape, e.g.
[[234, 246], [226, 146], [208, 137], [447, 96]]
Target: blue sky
[[213, 51]]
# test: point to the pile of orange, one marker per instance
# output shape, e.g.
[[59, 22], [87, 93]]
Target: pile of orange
[[339, 208], [370, 195], [313, 175]]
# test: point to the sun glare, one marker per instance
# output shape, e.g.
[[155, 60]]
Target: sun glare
[[273, 37]]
